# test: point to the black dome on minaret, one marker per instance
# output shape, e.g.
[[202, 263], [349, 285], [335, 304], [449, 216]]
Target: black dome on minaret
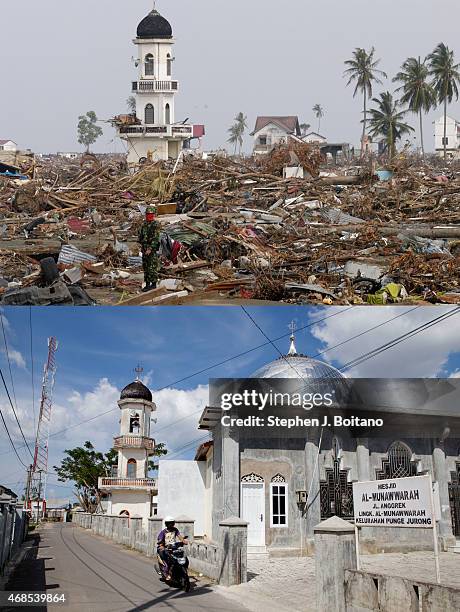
[[154, 26], [136, 390]]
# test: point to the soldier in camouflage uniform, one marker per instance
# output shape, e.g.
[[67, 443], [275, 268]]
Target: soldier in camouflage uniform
[[149, 239]]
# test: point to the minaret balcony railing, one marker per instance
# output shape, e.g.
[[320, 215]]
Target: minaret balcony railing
[[149, 86], [132, 441], [127, 483], [172, 131]]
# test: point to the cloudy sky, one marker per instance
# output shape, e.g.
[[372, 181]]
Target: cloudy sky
[[60, 59], [180, 349]]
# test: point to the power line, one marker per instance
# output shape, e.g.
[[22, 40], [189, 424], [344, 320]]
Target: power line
[[316, 355], [32, 377], [331, 348], [8, 358], [390, 344], [14, 412], [9, 436], [12, 384], [202, 371]]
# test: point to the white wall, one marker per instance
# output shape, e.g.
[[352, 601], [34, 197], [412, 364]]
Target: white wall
[[452, 135], [137, 503], [139, 147], [273, 133], [182, 491], [9, 146]]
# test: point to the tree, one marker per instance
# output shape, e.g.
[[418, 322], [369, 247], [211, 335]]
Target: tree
[[131, 104], [387, 120], [319, 114], [84, 466], [446, 78], [88, 131], [417, 93], [237, 131], [363, 72], [304, 127]]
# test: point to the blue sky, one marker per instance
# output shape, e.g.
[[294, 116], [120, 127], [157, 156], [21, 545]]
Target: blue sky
[[100, 347]]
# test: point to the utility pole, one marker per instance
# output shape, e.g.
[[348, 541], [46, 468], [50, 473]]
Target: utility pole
[[39, 496], [27, 497]]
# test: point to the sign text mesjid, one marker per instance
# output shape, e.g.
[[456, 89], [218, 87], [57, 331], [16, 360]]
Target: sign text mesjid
[[399, 502]]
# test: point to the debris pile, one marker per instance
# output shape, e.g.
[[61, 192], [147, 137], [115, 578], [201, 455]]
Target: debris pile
[[233, 229]]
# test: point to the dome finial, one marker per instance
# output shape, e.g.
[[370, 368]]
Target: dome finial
[[138, 371], [292, 349]]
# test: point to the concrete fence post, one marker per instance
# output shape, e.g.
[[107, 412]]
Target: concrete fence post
[[335, 552], [155, 525], [118, 529], [186, 526], [234, 551], [135, 524]]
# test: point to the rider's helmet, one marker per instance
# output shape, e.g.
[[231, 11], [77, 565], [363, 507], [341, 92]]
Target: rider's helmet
[[170, 521]]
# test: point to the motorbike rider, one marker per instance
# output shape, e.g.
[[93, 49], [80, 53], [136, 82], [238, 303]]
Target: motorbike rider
[[167, 537]]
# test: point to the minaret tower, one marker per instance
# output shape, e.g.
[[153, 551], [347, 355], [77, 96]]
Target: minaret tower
[[131, 489], [153, 134]]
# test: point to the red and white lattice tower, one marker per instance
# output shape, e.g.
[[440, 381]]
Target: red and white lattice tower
[[40, 465]]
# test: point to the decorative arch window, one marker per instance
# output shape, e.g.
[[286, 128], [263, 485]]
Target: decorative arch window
[[278, 501], [149, 114], [336, 492], [131, 471], [168, 64], [252, 478], [149, 65], [124, 513], [399, 463], [167, 114], [134, 424]]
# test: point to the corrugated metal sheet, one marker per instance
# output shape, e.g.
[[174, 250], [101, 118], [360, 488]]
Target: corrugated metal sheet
[[71, 255]]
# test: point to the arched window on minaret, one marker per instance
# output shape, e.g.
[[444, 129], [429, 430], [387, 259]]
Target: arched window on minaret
[[131, 471], [134, 424], [149, 114], [167, 114], [149, 65], [168, 64]]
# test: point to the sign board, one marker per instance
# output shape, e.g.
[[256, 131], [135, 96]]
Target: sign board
[[398, 502]]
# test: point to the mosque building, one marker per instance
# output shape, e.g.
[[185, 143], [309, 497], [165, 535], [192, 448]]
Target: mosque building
[[284, 483]]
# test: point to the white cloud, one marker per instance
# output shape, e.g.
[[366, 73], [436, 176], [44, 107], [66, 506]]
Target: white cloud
[[424, 355], [455, 374], [16, 357], [172, 405], [177, 405]]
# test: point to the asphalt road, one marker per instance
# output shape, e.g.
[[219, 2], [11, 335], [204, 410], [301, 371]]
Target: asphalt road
[[97, 575]]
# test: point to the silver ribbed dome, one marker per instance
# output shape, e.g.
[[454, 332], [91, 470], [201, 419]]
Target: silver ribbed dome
[[294, 365], [297, 367]]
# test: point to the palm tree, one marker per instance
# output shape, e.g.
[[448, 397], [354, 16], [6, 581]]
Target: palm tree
[[446, 78], [363, 72], [387, 120], [319, 114], [304, 128], [417, 92], [237, 131]]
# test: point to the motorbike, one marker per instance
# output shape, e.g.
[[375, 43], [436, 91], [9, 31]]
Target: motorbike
[[178, 566]]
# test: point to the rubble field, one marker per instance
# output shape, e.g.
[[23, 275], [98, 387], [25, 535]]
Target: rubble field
[[233, 230]]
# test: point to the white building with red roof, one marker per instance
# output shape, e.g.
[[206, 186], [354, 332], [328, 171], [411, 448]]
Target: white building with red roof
[[271, 131]]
